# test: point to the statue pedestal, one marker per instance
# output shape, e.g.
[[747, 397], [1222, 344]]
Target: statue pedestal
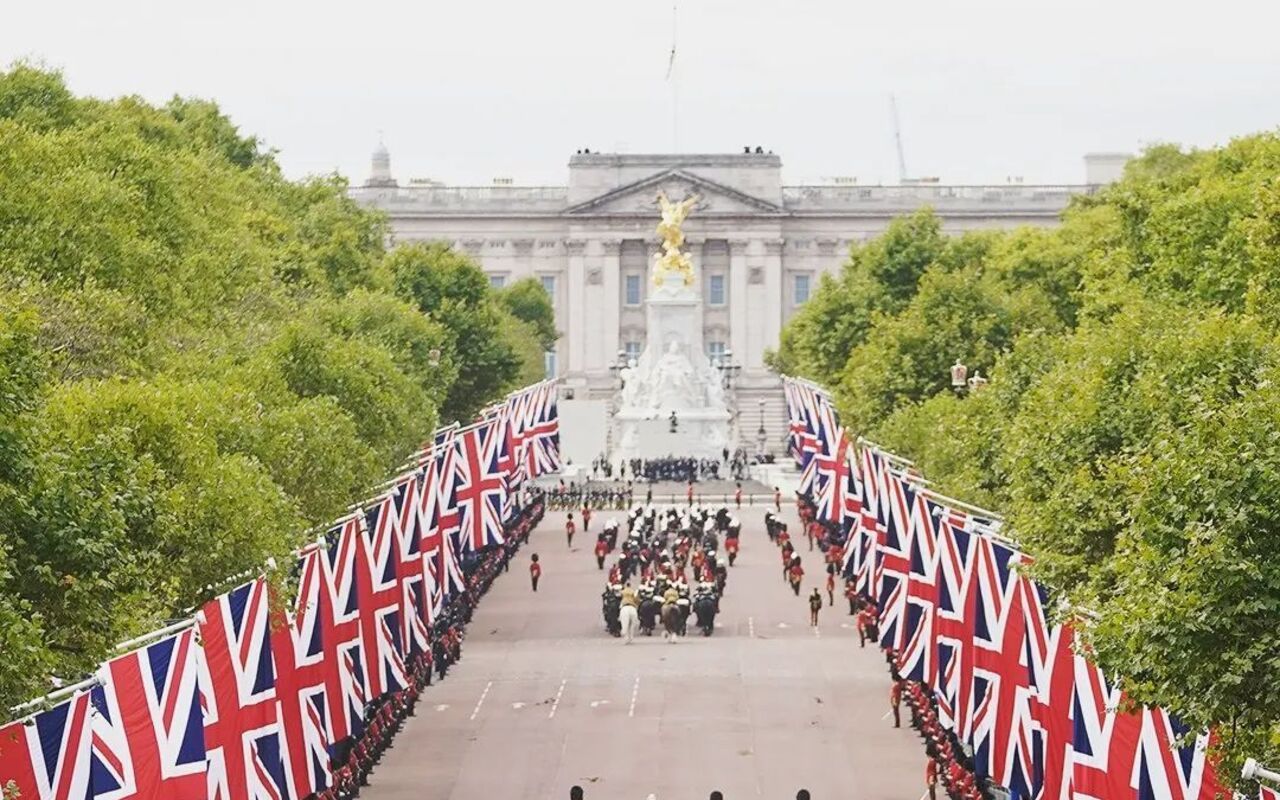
[[700, 433], [672, 375]]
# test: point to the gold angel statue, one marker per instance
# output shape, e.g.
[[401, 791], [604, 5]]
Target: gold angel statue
[[672, 259]]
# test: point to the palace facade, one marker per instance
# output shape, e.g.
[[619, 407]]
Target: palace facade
[[759, 245]]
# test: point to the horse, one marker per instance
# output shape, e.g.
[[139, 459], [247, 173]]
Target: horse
[[612, 605], [649, 610], [705, 609], [672, 621]]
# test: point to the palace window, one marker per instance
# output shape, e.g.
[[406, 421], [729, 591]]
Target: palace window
[[549, 363], [715, 350], [549, 285], [800, 289], [632, 348], [497, 281], [633, 290], [715, 290]]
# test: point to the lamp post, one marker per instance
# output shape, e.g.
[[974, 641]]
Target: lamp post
[[618, 365], [976, 382], [959, 372], [728, 370], [762, 437]]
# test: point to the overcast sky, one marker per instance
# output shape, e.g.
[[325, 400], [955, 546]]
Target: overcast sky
[[471, 90]]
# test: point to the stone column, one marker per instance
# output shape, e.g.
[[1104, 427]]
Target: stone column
[[611, 300], [738, 298], [775, 302], [575, 305], [523, 259]]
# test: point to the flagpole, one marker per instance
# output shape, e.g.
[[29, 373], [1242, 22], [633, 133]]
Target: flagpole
[[671, 77]]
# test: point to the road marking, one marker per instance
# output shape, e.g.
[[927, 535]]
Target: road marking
[[845, 625], [887, 714], [598, 703], [442, 707], [517, 706], [783, 625], [635, 692], [817, 632], [556, 703], [476, 711], [751, 628]]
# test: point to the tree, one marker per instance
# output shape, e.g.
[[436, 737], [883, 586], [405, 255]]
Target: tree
[[528, 301], [1128, 427], [451, 289]]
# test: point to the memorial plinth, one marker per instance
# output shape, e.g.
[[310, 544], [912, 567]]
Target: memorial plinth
[[673, 375]]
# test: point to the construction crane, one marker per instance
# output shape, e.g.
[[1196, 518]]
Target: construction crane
[[897, 139]]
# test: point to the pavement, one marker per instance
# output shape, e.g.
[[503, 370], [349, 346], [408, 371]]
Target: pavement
[[544, 698]]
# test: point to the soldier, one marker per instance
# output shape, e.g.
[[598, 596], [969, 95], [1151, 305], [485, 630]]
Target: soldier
[[602, 550], [867, 625], [851, 594], [586, 518], [796, 574], [569, 529], [815, 605], [737, 496], [895, 699], [535, 571], [831, 587], [777, 499]]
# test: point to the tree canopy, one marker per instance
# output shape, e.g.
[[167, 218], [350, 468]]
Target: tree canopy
[[1130, 431], [199, 360]]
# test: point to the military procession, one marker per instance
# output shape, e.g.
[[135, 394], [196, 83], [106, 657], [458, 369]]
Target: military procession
[[664, 551]]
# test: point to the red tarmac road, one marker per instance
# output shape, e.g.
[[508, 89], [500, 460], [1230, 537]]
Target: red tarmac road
[[544, 699]]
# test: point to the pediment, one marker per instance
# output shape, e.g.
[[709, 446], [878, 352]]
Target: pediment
[[640, 197]]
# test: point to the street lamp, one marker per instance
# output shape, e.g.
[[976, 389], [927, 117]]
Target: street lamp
[[762, 437], [977, 381], [958, 374], [728, 370], [618, 365], [1255, 771]]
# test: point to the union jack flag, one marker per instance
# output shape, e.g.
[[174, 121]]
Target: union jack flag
[[147, 728], [541, 431], [381, 600], [1053, 681], [811, 438], [1168, 769], [1268, 794], [893, 559], [46, 756], [440, 525], [955, 608], [802, 432], [406, 498], [347, 687], [238, 696], [1105, 740], [915, 636], [297, 642], [1003, 730], [479, 487]]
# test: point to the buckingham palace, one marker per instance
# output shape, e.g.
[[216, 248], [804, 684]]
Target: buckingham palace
[[759, 245]]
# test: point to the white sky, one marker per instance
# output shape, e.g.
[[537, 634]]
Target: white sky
[[470, 90]]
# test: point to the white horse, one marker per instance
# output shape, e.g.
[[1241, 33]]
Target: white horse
[[630, 619]]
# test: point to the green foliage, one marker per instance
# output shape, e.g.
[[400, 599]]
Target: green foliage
[[527, 301], [1130, 430], [198, 360], [451, 289]]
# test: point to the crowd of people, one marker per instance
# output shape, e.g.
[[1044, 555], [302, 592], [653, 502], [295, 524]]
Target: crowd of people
[[660, 553], [675, 468], [571, 495], [356, 757]]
